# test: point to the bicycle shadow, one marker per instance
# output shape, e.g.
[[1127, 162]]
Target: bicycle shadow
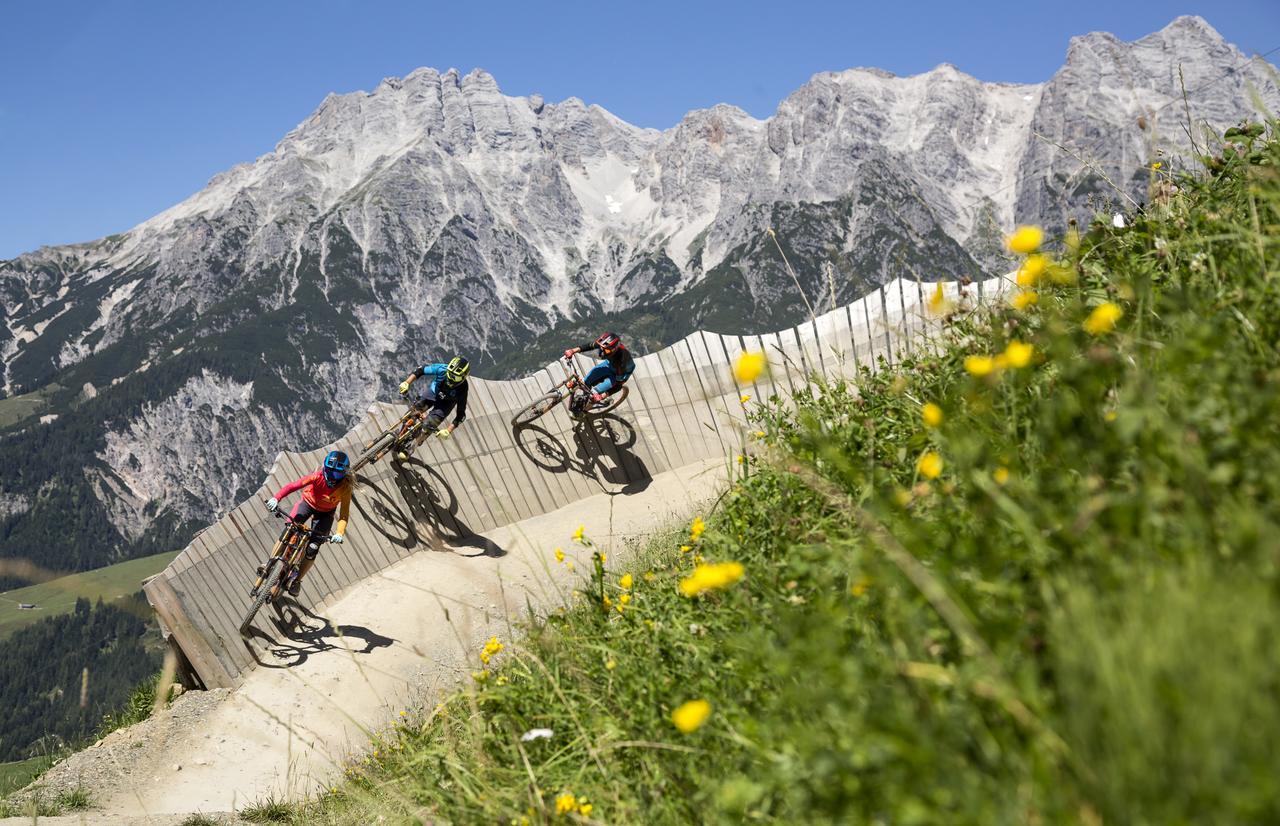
[[601, 452], [432, 519], [301, 634]]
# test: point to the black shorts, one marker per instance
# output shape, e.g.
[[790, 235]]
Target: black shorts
[[321, 521], [436, 409]]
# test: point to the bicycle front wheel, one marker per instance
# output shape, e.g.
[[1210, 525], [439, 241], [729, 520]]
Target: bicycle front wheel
[[537, 410], [269, 579]]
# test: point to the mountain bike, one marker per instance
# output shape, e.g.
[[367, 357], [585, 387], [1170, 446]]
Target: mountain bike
[[282, 567], [574, 388], [398, 437]]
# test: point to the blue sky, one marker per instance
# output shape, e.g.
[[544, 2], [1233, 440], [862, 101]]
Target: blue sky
[[111, 111]]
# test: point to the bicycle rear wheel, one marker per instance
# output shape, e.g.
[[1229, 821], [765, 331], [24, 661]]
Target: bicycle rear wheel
[[269, 579], [538, 409], [376, 450]]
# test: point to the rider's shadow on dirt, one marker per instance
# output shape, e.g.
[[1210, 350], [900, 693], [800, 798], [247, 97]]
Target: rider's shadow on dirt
[[601, 451], [431, 520], [301, 633]]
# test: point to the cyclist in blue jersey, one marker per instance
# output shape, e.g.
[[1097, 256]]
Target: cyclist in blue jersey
[[613, 371], [444, 388]]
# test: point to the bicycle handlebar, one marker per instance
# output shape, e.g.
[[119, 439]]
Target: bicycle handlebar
[[280, 514]]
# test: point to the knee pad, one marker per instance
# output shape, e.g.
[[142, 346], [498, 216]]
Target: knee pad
[[313, 550]]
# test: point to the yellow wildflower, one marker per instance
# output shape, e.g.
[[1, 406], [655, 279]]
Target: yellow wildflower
[[932, 414], [979, 366], [744, 398], [1103, 319], [608, 601], [559, 555], [502, 680], [1156, 165], [684, 549], [930, 465], [759, 434], [1000, 474], [626, 581], [713, 577], [742, 460], [696, 529], [579, 533], [490, 648], [584, 809], [625, 599], [565, 803], [610, 665], [1025, 240], [1024, 299], [690, 716], [1031, 270], [860, 587], [1109, 416], [749, 367], [569, 565], [479, 676], [1018, 354]]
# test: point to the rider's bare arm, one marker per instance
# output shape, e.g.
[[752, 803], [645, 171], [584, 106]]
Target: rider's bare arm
[[344, 509]]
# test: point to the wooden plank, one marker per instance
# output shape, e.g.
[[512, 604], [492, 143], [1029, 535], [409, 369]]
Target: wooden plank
[[701, 381], [213, 613], [194, 646], [646, 397]]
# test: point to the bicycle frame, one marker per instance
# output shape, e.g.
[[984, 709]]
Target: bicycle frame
[[290, 548]]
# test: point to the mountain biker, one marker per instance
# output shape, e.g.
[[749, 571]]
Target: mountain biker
[[610, 374], [445, 388], [323, 492]]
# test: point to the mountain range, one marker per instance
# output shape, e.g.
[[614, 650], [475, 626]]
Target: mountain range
[[148, 378]]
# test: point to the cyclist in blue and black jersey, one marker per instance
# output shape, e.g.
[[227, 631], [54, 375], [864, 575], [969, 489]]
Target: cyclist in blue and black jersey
[[611, 373], [444, 389]]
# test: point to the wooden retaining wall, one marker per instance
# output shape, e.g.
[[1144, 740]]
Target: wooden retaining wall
[[683, 407]]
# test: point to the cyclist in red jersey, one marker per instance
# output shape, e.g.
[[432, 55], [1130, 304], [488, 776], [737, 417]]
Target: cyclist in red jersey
[[323, 493]]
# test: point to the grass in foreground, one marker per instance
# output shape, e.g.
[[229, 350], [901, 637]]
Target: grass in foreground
[[1030, 576], [76, 800]]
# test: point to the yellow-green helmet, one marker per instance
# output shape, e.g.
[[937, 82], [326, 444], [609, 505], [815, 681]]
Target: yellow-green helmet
[[456, 372]]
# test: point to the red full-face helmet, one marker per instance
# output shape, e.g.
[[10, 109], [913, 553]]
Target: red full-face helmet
[[608, 342]]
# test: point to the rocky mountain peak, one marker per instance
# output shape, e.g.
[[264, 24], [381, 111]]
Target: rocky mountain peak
[[435, 214]]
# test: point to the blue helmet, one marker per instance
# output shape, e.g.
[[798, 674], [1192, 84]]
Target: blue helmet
[[335, 467]]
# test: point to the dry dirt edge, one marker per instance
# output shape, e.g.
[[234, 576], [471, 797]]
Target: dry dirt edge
[[391, 642]]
